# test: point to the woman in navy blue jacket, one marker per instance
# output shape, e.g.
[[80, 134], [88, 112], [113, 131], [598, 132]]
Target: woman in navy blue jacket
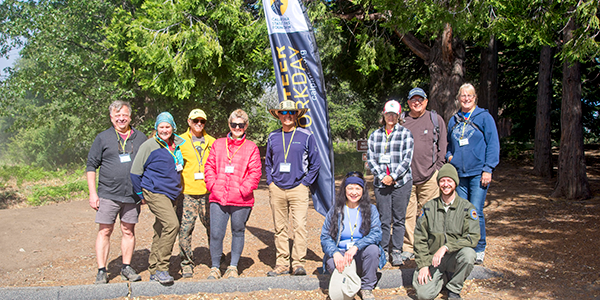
[[474, 150], [352, 230]]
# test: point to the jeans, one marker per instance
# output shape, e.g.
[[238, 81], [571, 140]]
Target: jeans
[[391, 204], [470, 188]]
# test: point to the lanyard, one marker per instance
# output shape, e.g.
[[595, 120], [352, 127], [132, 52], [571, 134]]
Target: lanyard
[[352, 228], [286, 152], [465, 124], [168, 149], [387, 138], [236, 151], [201, 158], [125, 141]]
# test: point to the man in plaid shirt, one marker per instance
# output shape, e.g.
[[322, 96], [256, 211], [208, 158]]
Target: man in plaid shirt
[[389, 156]]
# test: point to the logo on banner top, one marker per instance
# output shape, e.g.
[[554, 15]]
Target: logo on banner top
[[279, 6], [284, 16]]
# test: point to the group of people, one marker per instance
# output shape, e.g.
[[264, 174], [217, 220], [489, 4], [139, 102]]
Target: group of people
[[425, 209], [183, 178], [430, 185]]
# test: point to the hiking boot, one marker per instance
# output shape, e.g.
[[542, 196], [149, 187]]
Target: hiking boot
[[162, 276], [453, 295], [397, 258], [480, 257], [101, 277], [279, 270], [129, 274], [231, 272], [215, 273], [187, 271], [407, 256], [299, 271], [367, 295]]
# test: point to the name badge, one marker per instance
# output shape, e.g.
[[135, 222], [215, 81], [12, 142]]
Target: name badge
[[229, 169], [285, 167], [349, 245], [463, 142], [385, 159], [125, 158], [199, 176], [179, 167]]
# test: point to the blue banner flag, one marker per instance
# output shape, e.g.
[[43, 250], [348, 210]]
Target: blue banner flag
[[300, 79]]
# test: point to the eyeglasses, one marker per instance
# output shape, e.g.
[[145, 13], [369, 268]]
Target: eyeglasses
[[202, 121], [285, 112], [414, 99], [238, 125], [355, 174]]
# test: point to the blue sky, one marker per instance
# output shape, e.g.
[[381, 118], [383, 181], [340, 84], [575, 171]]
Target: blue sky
[[14, 54]]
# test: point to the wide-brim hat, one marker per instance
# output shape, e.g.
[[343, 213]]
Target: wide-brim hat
[[287, 105], [345, 285]]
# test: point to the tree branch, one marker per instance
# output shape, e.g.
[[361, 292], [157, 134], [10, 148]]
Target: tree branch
[[414, 44]]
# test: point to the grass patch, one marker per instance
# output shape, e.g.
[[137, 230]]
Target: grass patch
[[36, 186]]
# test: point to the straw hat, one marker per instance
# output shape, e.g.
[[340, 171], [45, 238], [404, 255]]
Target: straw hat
[[287, 105]]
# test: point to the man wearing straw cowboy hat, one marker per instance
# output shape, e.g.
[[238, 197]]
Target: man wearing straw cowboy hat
[[292, 164]]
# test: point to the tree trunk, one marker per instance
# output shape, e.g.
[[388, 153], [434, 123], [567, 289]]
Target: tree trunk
[[542, 155], [488, 89], [572, 178], [445, 60]]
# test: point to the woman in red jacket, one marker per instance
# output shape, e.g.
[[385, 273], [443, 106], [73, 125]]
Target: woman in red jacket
[[232, 173]]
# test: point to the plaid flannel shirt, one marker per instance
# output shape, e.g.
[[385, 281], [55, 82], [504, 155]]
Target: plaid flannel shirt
[[400, 147]]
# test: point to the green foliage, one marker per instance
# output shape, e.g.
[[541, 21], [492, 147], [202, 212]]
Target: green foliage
[[44, 194], [347, 162]]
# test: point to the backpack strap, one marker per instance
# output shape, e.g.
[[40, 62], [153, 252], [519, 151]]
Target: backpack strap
[[436, 135]]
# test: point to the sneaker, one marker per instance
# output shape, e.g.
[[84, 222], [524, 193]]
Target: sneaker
[[231, 272], [101, 277], [396, 258], [129, 274], [279, 270], [480, 257], [162, 276], [453, 295], [187, 271], [215, 273], [407, 256], [366, 295], [299, 271]]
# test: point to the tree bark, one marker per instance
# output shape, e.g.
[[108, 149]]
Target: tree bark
[[488, 78], [572, 178], [542, 153], [445, 60]]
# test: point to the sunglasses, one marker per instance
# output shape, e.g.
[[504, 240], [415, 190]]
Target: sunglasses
[[355, 174], [285, 112], [202, 121], [238, 125]]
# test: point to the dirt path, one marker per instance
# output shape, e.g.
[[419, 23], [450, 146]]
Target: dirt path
[[546, 248]]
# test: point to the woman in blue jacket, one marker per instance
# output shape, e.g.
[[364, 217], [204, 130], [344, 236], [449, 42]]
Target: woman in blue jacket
[[352, 230], [474, 150]]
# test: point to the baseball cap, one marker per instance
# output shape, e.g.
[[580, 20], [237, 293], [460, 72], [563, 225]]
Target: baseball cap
[[197, 113], [392, 106], [417, 92]]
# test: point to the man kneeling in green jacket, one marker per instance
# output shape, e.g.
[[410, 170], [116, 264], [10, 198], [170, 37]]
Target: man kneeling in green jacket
[[446, 232]]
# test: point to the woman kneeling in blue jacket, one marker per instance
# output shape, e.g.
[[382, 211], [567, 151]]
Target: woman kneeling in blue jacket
[[352, 231]]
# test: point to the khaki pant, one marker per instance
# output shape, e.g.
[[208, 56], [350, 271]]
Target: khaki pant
[[166, 228], [419, 195], [286, 203], [455, 266]]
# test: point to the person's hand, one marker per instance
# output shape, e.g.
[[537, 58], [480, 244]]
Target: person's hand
[[349, 255], [424, 275], [387, 180], [437, 257], [486, 178], [94, 201], [450, 158], [340, 261], [143, 201]]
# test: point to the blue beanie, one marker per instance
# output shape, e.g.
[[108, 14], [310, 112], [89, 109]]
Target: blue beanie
[[165, 117]]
